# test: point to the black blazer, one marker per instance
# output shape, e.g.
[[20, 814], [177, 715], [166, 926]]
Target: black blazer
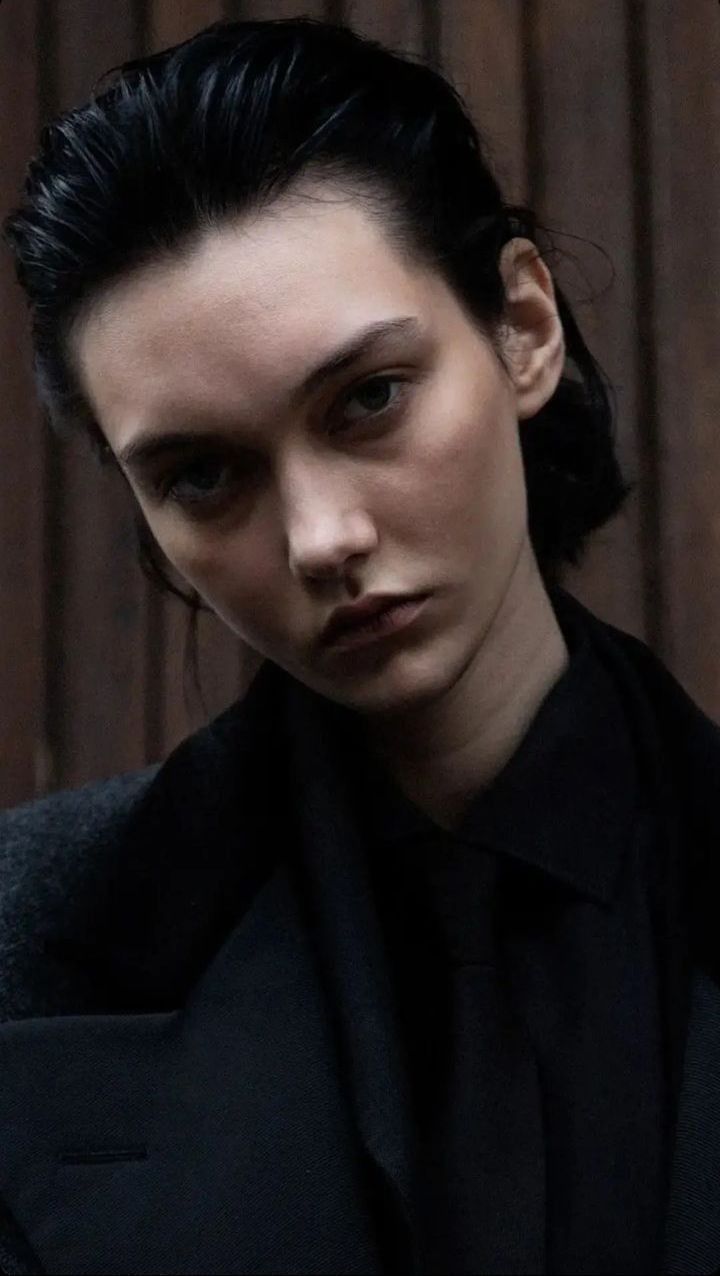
[[198, 1064]]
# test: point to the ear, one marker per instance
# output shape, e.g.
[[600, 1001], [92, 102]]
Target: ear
[[533, 341]]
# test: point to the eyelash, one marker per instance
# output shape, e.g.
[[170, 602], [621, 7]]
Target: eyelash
[[165, 485]]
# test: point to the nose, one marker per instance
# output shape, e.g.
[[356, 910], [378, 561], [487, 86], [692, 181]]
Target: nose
[[325, 528], [322, 547]]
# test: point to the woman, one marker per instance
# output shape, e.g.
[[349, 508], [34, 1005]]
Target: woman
[[405, 962]]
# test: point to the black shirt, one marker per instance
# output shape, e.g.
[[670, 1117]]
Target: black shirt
[[525, 963]]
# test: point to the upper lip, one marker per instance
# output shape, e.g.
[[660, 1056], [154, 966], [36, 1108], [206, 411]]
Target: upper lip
[[357, 613]]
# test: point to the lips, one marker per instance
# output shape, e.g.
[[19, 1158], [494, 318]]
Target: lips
[[347, 619], [394, 619]]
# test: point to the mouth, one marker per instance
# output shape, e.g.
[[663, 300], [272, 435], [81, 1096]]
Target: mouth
[[393, 619]]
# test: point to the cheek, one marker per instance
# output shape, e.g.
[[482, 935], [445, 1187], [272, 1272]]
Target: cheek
[[468, 470], [235, 577], [240, 576], [219, 566]]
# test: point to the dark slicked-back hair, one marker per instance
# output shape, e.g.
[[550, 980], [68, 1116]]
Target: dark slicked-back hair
[[183, 140]]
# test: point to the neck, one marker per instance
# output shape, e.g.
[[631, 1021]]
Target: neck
[[442, 753]]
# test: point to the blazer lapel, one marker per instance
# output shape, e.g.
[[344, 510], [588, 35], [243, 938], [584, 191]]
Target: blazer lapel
[[215, 1137], [262, 783]]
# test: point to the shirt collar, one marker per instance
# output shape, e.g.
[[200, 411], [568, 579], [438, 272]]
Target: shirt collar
[[566, 801]]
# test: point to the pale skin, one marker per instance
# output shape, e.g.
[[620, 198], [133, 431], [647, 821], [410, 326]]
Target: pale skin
[[318, 501]]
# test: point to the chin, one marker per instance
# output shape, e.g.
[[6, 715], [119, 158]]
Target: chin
[[408, 682]]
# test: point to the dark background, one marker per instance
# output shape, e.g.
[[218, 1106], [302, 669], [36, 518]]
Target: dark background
[[604, 115]]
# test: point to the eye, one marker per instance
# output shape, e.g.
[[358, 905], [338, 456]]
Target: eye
[[376, 393], [170, 485]]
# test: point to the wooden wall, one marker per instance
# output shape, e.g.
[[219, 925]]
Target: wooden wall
[[603, 116]]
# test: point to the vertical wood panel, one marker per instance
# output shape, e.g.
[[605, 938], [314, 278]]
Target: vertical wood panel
[[398, 25], [482, 53], [22, 756], [98, 684], [580, 133], [261, 10], [171, 21], [682, 50]]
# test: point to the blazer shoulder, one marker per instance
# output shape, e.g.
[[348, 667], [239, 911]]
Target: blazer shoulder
[[57, 855], [49, 843], [70, 815]]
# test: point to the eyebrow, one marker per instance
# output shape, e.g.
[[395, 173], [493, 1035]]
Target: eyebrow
[[149, 445]]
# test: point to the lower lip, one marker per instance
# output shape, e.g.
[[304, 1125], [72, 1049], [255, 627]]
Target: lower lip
[[388, 622]]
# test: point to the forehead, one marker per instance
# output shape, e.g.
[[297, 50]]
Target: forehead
[[245, 310]]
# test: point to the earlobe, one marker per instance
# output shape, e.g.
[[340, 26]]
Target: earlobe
[[534, 343]]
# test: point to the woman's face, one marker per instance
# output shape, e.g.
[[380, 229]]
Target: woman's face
[[280, 497]]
